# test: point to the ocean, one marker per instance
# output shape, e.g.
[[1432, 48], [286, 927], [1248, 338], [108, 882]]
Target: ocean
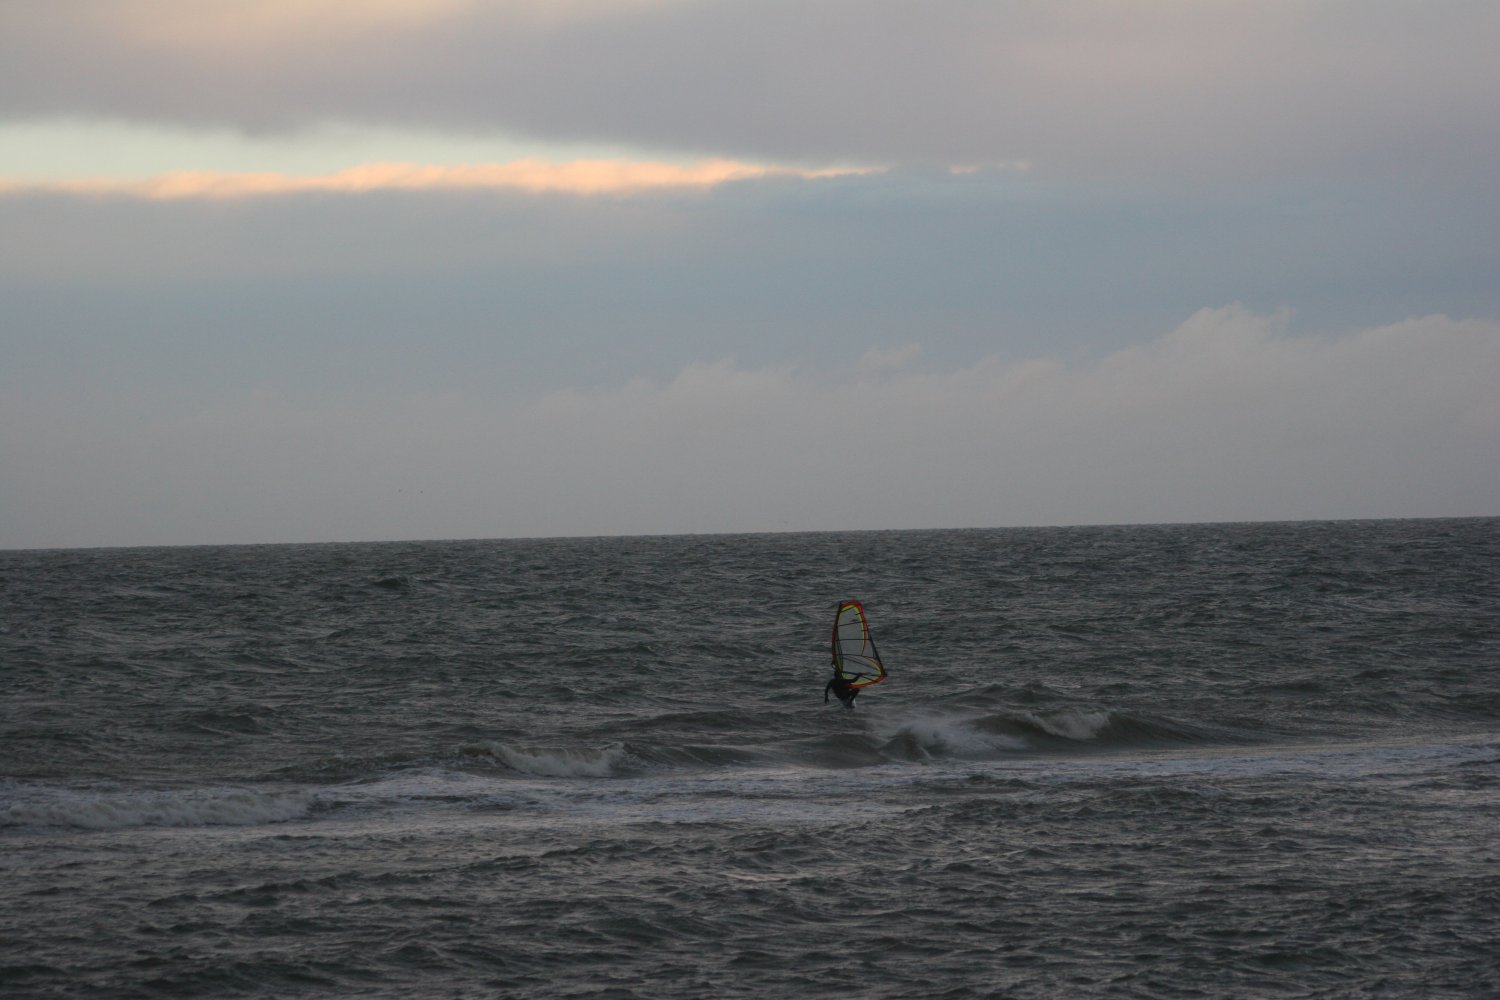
[[1228, 760]]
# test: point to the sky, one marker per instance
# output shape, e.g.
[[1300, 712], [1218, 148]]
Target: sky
[[347, 270]]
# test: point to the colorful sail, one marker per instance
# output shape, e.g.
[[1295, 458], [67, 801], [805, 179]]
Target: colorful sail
[[854, 654]]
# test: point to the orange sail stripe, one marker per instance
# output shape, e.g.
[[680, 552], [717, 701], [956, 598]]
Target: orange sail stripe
[[854, 653]]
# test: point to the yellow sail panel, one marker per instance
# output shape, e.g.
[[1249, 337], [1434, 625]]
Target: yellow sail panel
[[854, 653]]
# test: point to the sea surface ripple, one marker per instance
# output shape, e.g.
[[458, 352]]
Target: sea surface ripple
[[1168, 761]]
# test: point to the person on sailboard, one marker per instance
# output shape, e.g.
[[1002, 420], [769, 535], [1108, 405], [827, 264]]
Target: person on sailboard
[[856, 665], [842, 687]]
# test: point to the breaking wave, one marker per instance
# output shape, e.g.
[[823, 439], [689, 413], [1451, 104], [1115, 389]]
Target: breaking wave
[[998, 734], [560, 762]]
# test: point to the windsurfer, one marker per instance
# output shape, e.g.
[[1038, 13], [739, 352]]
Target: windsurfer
[[856, 665], [842, 689]]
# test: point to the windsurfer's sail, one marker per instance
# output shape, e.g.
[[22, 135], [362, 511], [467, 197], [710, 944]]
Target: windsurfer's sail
[[854, 655]]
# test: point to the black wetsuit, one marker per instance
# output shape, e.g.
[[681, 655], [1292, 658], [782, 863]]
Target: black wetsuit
[[842, 689]]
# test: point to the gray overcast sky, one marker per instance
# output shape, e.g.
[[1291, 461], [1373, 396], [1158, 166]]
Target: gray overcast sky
[[320, 270]]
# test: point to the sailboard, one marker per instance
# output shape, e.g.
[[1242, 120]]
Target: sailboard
[[854, 654]]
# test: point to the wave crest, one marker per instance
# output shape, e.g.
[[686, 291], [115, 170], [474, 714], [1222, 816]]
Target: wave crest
[[560, 762], [1065, 730], [1076, 724]]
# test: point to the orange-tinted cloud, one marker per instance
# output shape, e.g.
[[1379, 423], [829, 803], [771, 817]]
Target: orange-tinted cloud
[[580, 177], [248, 25]]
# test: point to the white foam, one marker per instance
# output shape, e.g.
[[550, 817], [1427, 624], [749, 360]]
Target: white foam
[[118, 809], [1339, 761], [1071, 723], [945, 735], [411, 786], [561, 762], [791, 796]]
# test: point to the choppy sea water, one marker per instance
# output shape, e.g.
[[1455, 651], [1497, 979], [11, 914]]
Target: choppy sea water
[[1181, 761]]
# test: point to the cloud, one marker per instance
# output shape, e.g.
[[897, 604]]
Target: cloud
[[1172, 90], [580, 177], [456, 286], [1227, 417], [253, 24], [880, 359]]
